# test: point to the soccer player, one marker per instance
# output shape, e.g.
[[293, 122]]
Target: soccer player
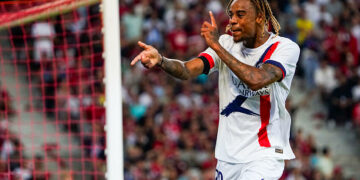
[[255, 68]]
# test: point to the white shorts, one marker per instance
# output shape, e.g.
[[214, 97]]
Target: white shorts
[[265, 169]]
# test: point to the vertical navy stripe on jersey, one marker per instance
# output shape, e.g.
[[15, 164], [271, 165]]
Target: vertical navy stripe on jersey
[[235, 106]]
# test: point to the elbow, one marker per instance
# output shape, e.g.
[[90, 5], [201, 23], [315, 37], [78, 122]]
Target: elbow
[[255, 86], [184, 77]]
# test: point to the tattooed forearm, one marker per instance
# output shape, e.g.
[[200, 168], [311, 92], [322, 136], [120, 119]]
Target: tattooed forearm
[[175, 68], [273, 73], [255, 78]]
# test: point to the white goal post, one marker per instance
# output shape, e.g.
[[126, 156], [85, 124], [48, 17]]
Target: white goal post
[[113, 127]]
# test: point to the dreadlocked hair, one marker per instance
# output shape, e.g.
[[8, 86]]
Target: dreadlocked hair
[[263, 7]]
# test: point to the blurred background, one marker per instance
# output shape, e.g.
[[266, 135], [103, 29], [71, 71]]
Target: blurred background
[[170, 126], [52, 93]]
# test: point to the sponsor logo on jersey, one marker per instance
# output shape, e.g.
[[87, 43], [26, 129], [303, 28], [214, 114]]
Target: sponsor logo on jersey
[[244, 90]]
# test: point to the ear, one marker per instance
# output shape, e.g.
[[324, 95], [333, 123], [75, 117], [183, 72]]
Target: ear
[[260, 18]]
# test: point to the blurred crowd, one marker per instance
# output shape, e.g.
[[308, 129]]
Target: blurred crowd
[[170, 126], [13, 163]]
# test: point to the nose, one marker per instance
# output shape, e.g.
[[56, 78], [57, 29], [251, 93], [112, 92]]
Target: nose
[[232, 20]]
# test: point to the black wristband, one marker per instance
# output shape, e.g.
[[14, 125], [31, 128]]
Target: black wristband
[[206, 65], [161, 59]]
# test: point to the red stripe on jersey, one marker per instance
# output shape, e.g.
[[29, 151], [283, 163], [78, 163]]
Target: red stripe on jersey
[[271, 51], [265, 107], [209, 58]]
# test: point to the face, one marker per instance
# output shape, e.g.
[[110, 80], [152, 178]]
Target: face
[[243, 20]]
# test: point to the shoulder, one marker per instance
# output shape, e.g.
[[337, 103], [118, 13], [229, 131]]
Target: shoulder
[[287, 44], [226, 39], [286, 52]]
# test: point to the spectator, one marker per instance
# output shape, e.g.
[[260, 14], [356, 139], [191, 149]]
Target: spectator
[[340, 102], [325, 15], [6, 107], [326, 164], [312, 11], [335, 7], [177, 39], [355, 30], [133, 23], [154, 30], [304, 26], [43, 33], [296, 173], [77, 21], [310, 62], [174, 15], [325, 80], [215, 6]]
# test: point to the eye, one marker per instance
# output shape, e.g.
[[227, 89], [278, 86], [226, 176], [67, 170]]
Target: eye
[[240, 15]]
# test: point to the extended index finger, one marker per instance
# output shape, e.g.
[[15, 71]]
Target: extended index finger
[[213, 22], [143, 45]]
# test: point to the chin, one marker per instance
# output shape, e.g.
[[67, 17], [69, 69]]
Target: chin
[[237, 39]]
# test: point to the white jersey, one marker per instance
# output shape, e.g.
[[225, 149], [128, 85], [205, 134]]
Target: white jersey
[[253, 124]]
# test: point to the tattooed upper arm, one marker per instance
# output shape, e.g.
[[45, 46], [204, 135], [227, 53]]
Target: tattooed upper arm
[[272, 73]]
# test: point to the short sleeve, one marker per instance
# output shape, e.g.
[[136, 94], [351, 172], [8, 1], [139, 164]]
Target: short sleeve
[[285, 56], [209, 57]]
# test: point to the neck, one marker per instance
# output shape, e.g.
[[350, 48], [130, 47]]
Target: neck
[[257, 41]]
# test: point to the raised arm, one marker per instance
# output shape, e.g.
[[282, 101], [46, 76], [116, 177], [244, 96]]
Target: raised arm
[[255, 78], [150, 58]]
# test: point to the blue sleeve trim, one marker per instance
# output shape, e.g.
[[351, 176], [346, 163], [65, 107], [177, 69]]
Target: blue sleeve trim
[[279, 65]]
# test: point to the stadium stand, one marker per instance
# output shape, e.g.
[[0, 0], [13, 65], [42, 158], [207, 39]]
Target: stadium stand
[[170, 126]]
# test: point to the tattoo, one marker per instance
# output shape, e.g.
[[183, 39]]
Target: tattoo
[[273, 73], [215, 35], [175, 68], [255, 78]]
